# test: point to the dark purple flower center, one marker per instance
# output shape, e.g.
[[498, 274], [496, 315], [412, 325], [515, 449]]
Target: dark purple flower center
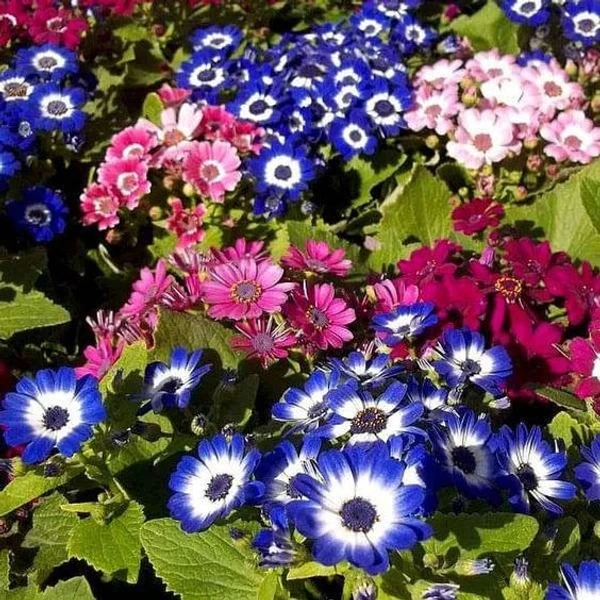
[[464, 459], [205, 75], [170, 385], [370, 420], [586, 25], [258, 107], [55, 418], [310, 71], [317, 410], [384, 108], [15, 89], [246, 291], [219, 487], [317, 317], [528, 8], [358, 515], [283, 172], [470, 367], [57, 108], [263, 342], [47, 62], [527, 476], [38, 214], [355, 136]]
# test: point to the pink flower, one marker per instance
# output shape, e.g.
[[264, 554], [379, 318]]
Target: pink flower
[[215, 121], [443, 74], [391, 293], [212, 168], [488, 65], [321, 316], [585, 361], [245, 136], [172, 97], [427, 263], [148, 290], [100, 358], [125, 178], [264, 340], [483, 137], [572, 136], [99, 206], [244, 289], [132, 142], [186, 223], [477, 215], [241, 249], [57, 26], [318, 258], [433, 109]]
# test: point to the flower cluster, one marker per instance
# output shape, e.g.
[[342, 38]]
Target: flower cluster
[[194, 144]]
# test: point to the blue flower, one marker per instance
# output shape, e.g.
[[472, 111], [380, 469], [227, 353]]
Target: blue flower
[[274, 546], [172, 385], [433, 399], [385, 106], [278, 470], [40, 214], [533, 470], [465, 450], [9, 163], [581, 21], [52, 410], [441, 591], [353, 135], [357, 508], [259, 103], [17, 128], [311, 72], [370, 23], [367, 372], [204, 74], [48, 62], [582, 585], [282, 168], [588, 472], [220, 40], [307, 407], [355, 71], [412, 36], [465, 359], [367, 418], [58, 109], [404, 322], [529, 12], [15, 87], [211, 486]]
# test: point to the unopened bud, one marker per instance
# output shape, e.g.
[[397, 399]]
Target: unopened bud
[[156, 213]]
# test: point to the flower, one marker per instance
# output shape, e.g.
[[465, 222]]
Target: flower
[[211, 486], [307, 407], [433, 109], [477, 215], [529, 12], [57, 26], [48, 61], [321, 316], [148, 290], [463, 358], [212, 168], [585, 361], [100, 358], [367, 418], [245, 289], [441, 591], [318, 258], [171, 385], [427, 263], [274, 546], [582, 585], [357, 509], [220, 40], [581, 21], [99, 206], [433, 399], [464, 446], [58, 108], [385, 105], [391, 293], [533, 469], [404, 322], [367, 372], [186, 223], [54, 409], [40, 213], [204, 74], [353, 135], [131, 142], [588, 471], [572, 136], [126, 179], [264, 339]]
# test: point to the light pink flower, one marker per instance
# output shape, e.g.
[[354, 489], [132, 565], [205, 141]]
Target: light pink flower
[[99, 206], [441, 75], [125, 178], [148, 290], [186, 223], [572, 136], [488, 65], [433, 109], [212, 168], [391, 293], [482, 137], [132, 142], [264, 339], [318, 258], [245, 289]]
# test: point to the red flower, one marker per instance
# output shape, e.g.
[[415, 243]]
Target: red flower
[[427, 263], [477, 215], [56, 26], [585, 358]]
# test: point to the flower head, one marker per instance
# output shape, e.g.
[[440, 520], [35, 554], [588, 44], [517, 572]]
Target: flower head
[[264, 339], [99, 205], [274, 545], [404, 322], [571, 136], [477, 215], [319, 258], [367, 371], [588, 471], [126, 179], [577, 585], [57, 108]]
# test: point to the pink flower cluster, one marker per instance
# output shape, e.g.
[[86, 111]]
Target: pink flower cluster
[[198, 145], [490, 108]]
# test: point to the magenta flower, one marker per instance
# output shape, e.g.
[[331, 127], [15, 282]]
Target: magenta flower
[[264, 339], [99, 206], [572, 136], [241, 249], [585, 360], [391, 293], [132, 142], [477, 215], [148, 290], [245, 289], [125, 178], [186, 223], [427, 263], [318, 258], [171, 96], [100, 358], [321, 316]]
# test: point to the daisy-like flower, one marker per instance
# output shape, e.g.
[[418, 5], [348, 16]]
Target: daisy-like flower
[[211, 486], [581, 21], [463, 358], [386, 105], [443, 74], [319, 258], [52, 410], [56, 25], [533, 470], [585, 361], [357, 508], [40, 213], [571, 136], [353, 135], [491, 64], [148, 290], [132, 142], [477, 215], [257, 103], [368, 418], [306, 407], [99, 206], [529, 12], [220, 40], [588, 472], [186, 223], [15, 87], [433, 399], [212, 168], [577, 585], [321, 316], [58, 108], [126, 179], [264, 339], [391, 293], [245, 289], [204, 73], [274, 545], [100, 358], [433, 109], [464, 446], [404, 322], [171, 385], [368, 372], [48, 62]]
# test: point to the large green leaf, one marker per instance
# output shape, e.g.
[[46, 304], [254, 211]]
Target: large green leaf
[[73, 589], [112, 547], [201, 566]]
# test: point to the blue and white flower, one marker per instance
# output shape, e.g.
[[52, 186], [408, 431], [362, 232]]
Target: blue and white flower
[[533, 470], [53, 410], [385, 106], [220, 40], [353, 135], [404, 322], [204, 73], [9, 164], [274, 545], [577, 585], [258, 103], [441, 591], [58, 109], [172, 385], [368, 372], [463, 358], [588, 472], [433, 399], [47, 62], [357, 508], [209, 487], [15, 87], [529, 12], [368, 419], [581, 21]]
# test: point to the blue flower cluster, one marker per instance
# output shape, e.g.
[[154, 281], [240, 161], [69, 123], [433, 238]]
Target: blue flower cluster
[[580, 18], [340, 85]]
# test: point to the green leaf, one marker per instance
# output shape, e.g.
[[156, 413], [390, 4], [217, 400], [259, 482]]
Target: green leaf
[[201, 566], [112, 547], [4, 569], [561, 397], [22, 270], [314, 569], [570, 431], [489, 28], [73, 589], [415, 212], [50, 533], [235, 406], [567, 216], [131, 32], [152, 108]]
